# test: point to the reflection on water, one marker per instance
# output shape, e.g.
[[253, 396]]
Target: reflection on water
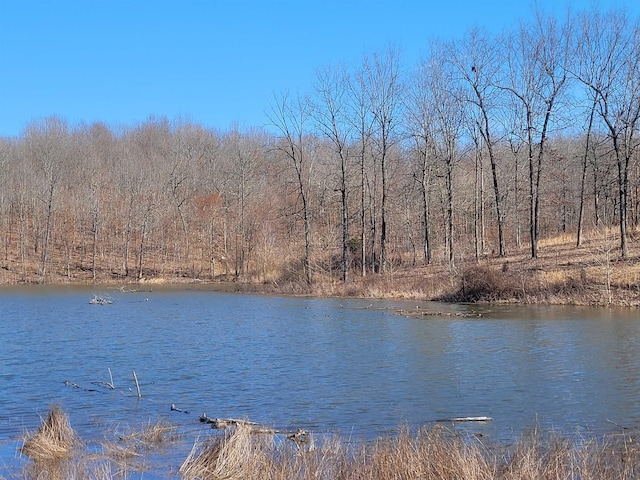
[[348, 366]]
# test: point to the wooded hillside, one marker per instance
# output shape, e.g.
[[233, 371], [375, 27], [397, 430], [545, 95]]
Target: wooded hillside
[[491, 144]]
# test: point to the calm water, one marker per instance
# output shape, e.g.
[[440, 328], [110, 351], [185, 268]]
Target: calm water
[[329, 365]]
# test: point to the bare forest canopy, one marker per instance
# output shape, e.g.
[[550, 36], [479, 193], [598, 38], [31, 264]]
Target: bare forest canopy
[[488, 145]]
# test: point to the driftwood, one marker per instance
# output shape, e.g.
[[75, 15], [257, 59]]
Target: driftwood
[[300, 436], [176, 409], [222, 423], [465, 419], [109, 385], [98, 300]]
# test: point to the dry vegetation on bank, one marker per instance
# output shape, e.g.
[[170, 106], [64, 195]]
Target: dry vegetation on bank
[[239, 453], [592, 274]]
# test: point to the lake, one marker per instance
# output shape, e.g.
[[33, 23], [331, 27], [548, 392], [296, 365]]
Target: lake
[[349, 366]]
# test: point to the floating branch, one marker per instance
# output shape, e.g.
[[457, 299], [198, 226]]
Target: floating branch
[[429, 313], [466, 419], [106, 384]]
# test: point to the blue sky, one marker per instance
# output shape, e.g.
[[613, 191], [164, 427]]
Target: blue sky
[[216, 62]]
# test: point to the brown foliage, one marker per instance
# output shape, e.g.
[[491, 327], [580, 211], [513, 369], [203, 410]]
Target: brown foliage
[[484, 284]]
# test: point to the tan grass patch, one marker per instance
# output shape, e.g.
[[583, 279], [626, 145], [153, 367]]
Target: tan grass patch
[[235, 455], [130, 448], [54, 439]]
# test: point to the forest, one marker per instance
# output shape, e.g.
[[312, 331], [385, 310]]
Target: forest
[[489, 145]]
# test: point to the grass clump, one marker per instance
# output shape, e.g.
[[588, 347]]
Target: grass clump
[[51, 448], [54, 439]]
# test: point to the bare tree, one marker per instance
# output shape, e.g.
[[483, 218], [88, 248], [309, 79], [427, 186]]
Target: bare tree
[[477, 61], [48, 145], [290, 117], [361, 119], [382, 73], [420, 120], [537, 63], [610, 69], [330, 114], [449, 114]]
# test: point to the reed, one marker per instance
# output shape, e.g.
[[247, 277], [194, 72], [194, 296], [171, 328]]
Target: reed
[[244, 452], [437, 453]]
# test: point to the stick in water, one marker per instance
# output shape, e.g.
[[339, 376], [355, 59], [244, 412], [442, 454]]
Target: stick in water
[[135, 377]]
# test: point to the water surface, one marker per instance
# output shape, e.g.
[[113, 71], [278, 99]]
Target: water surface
[[354, 367]]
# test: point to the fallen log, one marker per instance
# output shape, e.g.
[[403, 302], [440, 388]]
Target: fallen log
[[222, 423], [300, 436], [465, 419]]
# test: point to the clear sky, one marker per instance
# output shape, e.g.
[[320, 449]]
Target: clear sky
[[215, 62]]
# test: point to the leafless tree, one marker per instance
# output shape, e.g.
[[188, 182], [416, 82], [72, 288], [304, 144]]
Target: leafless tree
[[361, 120], [610, 69], [419, 122], [330, 114], [448, 117], [477, 61], [537, 71], [291, 118], [48, 141], [382, 74]]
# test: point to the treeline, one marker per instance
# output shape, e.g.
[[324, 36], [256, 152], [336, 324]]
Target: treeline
[[489, 144]]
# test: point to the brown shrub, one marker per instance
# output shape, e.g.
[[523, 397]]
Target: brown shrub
[[484, 284]]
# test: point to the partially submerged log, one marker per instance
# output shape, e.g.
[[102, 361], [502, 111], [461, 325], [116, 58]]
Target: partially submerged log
[[222, 423], [466, 419], [300, 436]]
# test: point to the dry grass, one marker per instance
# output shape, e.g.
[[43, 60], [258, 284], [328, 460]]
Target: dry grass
[[437, 453], [128, 451], [593, 274], [51, 448], [54, 440]]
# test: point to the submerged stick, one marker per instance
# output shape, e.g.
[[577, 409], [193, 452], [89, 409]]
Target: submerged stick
[[135, 377]]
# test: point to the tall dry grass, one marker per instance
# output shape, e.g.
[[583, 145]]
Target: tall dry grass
[[242, 452], [437, 453], [51, 447], [54, 439]]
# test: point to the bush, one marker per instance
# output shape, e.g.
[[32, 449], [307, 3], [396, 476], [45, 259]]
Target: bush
[[483, 284]]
